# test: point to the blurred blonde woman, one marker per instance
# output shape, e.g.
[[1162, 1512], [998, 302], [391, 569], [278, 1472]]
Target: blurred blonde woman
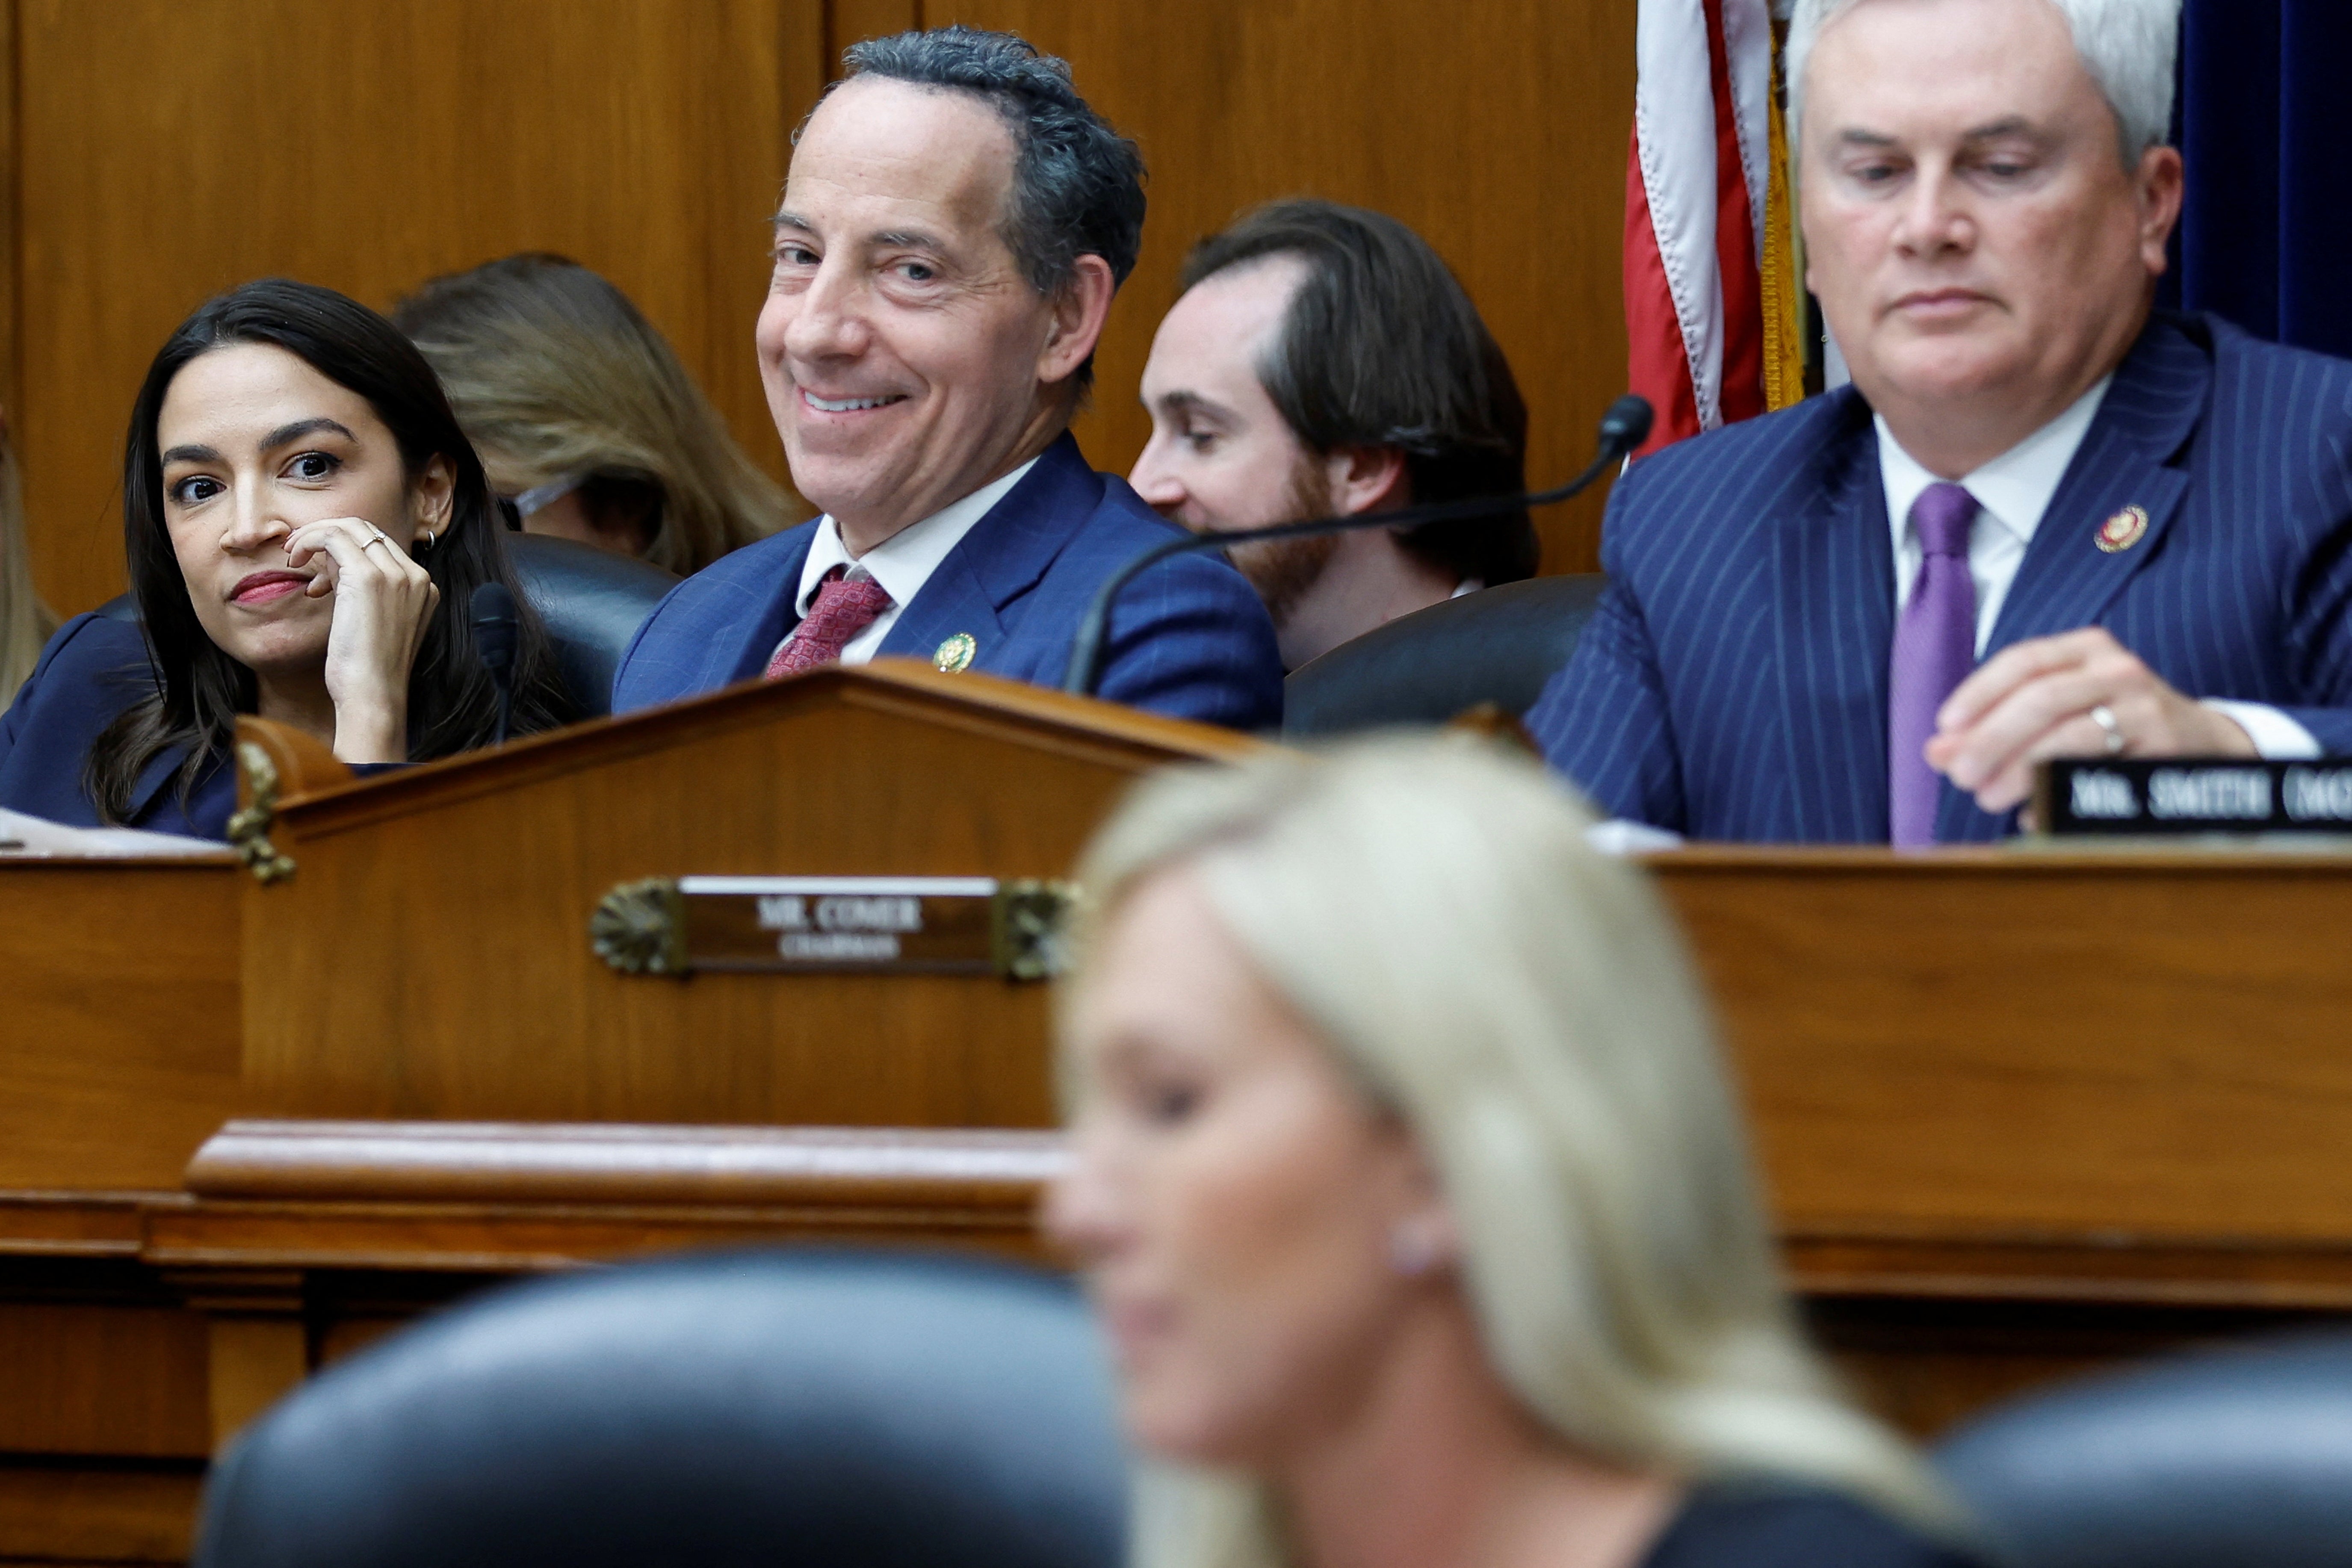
[[26, 623], [1410, 1186], [589, 426]]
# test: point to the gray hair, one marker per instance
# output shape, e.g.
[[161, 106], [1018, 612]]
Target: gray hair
[[1078, 184], [2127, 46], [1525, 1006]]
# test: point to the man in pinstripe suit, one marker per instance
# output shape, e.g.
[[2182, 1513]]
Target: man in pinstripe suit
[[2044, 520]]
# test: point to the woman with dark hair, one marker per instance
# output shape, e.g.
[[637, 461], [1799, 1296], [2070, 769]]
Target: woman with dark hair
[[305, 525]]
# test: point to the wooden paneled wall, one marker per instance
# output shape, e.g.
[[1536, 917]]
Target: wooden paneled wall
[[156, 152], [1496, 128]]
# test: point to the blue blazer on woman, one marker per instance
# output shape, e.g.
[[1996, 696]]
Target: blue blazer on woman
[[1732, 684], [1190, 637], [93, 668]]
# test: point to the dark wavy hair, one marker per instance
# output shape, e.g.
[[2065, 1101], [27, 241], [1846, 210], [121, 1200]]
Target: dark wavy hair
[[1078, 184], [1381, 346], [199, 689]]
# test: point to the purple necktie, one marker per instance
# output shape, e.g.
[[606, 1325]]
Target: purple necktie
[[1935, 649]]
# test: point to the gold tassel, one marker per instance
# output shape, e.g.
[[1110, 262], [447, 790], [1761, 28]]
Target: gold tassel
[[1784, 343]]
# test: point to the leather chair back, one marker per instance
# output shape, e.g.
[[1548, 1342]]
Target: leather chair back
[[591, 602], [1500, 645], [2236, 1458], [837, 1410]]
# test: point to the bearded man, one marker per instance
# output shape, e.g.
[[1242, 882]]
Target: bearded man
[[1323, 362]]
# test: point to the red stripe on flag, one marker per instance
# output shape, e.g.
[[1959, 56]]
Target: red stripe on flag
[[1734, 243], [1657, 363]]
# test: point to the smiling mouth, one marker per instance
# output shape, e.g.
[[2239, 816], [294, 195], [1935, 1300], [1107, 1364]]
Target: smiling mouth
[[849, 405]]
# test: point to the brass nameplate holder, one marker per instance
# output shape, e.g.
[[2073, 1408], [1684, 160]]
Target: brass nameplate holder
[[834, 925]]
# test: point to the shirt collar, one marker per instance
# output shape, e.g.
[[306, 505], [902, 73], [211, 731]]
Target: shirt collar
[[2015, 489], [903, 563]]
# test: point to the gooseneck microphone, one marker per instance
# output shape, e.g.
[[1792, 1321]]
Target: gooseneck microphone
[[494, 639], [1625, 426]]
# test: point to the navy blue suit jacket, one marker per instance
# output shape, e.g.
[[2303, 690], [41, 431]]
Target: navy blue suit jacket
[[1189, 637], [93, 668], [1732, 685]]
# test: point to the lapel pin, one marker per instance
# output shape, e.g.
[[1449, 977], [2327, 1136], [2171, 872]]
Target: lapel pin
[[2123, 530], [954, 655]]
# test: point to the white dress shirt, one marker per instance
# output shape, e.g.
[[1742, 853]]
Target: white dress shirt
[[902, 563], [2013, 492]]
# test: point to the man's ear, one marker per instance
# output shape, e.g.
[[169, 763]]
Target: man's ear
[[433, 497], [2160, 179], [1079, 311], [1368, 478]]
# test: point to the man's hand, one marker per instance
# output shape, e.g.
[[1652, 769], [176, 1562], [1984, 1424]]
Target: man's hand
[[2033, 701]]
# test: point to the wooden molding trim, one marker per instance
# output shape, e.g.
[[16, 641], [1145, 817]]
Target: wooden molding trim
[[2151, 1270], [2019, 858], [267, 1189], [974, 700], [660, 1166], [83, 1225]]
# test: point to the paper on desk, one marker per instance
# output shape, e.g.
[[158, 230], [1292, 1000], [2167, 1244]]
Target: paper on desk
[[1622, 836], [24, 837]]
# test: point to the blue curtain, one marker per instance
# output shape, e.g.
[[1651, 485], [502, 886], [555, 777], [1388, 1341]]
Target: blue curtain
[[2266, 236]]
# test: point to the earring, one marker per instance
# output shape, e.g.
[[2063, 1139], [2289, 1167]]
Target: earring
[[1415, 1249], [428, 539]]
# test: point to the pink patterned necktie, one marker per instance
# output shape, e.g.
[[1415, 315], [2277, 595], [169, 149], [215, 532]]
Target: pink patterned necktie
[[845, 606], [1935, 649]]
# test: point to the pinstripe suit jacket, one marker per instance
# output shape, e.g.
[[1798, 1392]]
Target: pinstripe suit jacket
[[1732, 684], [1189, 637]]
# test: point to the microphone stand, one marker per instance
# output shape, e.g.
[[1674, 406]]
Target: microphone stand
[[1624, 427]]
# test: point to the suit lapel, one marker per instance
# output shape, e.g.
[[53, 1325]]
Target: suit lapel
[[1835, 573], [1002, 558], [2130, 457], [747, 658], [952, 600]]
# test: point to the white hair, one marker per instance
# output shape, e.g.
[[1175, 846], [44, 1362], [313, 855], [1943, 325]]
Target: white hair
[[2127, 46], [1524, 1004]]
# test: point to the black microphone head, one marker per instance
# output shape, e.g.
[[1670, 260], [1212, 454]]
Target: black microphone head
[[1626, 425], [494, 626]]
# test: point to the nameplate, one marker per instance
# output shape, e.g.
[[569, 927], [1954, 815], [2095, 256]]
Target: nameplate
[[833, 925], [2144, 797]]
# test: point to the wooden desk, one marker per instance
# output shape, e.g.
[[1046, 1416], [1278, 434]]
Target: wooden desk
[[2019, 1112], [119, 1019], [2023, 1112], [2133, 1138], [119, 1047], [474, 880]]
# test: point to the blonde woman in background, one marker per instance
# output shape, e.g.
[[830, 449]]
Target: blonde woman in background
[[1410, 1186], [587, 423], [26, 623]]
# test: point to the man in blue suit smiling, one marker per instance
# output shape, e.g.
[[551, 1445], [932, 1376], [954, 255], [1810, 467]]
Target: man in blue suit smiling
[[954, 227], [2044, 520]]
